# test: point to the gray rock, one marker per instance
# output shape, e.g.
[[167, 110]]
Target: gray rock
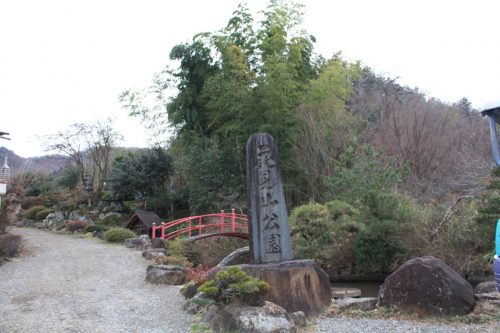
[[166, 274], [487, 303], [210, 313], [132, 243], [485, 287], [54, 221], [76, 216], [189, 290], [150, 254], [362, 304], [299, 318], [233, 256], [427, 286], [158, 243], [270, 318]]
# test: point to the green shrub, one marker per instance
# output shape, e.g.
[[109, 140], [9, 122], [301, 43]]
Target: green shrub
[[112, 220], [118, 235], [192, 252], [98, 228], [10, 245], [31, 213], [41, 215], [233, 283], [73, 226], [312, 229], [175, 247], [173, 260], [339, 208]]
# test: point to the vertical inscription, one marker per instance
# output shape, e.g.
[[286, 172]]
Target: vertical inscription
[[269, 231]]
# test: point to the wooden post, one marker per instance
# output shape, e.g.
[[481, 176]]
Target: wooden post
[[163, 230], [222, 221], [153, 231], [233, 226]]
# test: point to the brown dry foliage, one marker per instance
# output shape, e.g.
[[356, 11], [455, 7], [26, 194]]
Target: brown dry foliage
[[212, 250], [10, 245], [72, 226]]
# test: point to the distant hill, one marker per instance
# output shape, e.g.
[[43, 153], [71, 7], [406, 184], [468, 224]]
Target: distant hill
[[49, 164], [43, 164]]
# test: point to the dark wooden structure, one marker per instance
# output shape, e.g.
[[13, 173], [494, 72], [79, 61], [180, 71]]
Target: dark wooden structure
[[142, 222]]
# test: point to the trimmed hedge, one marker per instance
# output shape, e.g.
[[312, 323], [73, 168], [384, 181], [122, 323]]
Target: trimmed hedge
[[98, 228], [30, 214], [118, 235], [41, 215]]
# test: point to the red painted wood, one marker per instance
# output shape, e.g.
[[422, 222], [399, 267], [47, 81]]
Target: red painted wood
[[208, 225]]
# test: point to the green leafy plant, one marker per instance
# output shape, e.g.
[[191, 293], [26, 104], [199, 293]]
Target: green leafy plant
[[233, 283], [118, 235]]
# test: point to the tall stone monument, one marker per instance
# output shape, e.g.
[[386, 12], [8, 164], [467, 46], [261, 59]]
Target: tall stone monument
[[269, 232], [296, 285]]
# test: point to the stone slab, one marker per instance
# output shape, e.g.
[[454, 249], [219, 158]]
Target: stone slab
[[297, 285]]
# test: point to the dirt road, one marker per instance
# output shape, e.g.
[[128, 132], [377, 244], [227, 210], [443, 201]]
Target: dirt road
[[68, 284]]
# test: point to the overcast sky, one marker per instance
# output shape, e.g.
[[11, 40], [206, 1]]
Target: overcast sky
[[65, 61]]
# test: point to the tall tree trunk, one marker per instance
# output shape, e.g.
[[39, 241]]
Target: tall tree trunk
[[11, 210]]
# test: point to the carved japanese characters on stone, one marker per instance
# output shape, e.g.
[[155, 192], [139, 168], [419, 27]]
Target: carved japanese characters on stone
[[269, 232]]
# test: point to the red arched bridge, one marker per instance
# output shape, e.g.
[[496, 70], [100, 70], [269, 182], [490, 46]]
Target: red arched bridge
[[204, 226]]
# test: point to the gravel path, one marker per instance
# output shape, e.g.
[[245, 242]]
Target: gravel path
[[68, 284], [362, 325]]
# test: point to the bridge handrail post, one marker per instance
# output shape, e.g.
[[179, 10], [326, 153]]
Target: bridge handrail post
[[163, 230], [190, 223], [222, 221], [153, 231], [199, 225], [233, 226]]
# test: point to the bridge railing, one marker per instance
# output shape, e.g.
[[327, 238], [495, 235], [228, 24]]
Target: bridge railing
[[209, 224]]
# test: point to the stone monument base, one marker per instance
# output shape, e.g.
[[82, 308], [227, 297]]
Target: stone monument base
[[296, 285]]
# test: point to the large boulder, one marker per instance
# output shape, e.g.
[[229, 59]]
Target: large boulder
[[296, 285], [233, 256], [132, 243], [270, 318], [54, 221], [158, 243], [166, 274], [427, 286], [77, 216]]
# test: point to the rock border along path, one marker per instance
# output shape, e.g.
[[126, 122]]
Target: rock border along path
[[69, 284]]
